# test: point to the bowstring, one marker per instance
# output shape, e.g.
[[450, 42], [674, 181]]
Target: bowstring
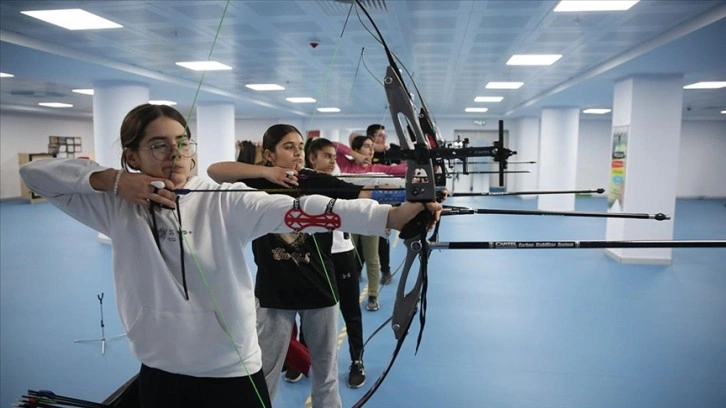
[[217, 309]]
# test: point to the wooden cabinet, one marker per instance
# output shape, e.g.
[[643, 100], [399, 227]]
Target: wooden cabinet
[[26, 158]]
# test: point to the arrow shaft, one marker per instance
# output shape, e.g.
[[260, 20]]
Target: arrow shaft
[[490, 172], [492, 162]]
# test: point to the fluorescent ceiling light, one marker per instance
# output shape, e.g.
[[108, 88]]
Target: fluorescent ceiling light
[[303, 99], [4, 75], [597, 111], [83, 91], [329, 110], [72, 19], [504, 85], [488, 98], [162, 102], [706, 85], [265, 87], [55, 105], [533, 59], [594, 5], [477, 110], [204, 66], [723, 112]]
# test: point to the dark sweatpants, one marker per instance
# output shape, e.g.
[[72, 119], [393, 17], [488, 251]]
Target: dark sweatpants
[[159, 388]]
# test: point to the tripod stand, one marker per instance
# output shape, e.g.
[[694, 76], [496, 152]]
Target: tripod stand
[[103, 331]]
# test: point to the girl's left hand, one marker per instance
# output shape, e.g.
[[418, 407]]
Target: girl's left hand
[[399, 216]]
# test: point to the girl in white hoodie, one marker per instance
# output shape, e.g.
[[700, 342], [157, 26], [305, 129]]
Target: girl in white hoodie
[[183, 290]]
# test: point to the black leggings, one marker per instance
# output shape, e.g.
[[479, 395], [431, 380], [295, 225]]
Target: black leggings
[[159, 388]]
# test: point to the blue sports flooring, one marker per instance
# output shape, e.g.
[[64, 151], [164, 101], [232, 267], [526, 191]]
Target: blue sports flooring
[[505, 328]]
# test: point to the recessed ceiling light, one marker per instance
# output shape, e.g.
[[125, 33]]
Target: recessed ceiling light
[[488, 98], [265, 87], [723, 112], [706, 85], [55, 104], [533, 59], [4, 75], [504, 85], [329, 110], [303, 99], [204, 66], [595, 111], [594, 5], [477, 110], [72, 19], [162, 102], [83, 91]]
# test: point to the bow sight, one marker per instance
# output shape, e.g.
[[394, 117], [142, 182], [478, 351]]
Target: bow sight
[[421, 145]]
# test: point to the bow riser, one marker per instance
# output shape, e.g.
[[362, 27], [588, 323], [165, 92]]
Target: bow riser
[[420, 170]]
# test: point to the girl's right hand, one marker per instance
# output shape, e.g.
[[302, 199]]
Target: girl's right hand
[[137, 188], [282, 176]]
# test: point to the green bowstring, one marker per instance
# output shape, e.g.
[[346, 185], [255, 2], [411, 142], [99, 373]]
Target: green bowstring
[[217, 309]]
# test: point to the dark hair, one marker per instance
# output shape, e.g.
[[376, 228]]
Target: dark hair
[[358, 141], [313, 147], [135, 123], [372, 129], [273, 135]]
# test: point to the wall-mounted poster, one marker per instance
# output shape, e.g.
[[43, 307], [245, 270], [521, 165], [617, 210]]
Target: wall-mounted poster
[[616, 194]]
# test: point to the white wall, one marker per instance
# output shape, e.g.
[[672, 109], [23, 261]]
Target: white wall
[[702, 164], [28, 133]]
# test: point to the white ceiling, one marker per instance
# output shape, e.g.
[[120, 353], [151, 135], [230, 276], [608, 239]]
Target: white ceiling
[[452, 49]]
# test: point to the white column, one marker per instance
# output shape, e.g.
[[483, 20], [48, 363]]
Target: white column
[[647, 113], [112, 100], [524, 139], [214, 135], [558, 157]]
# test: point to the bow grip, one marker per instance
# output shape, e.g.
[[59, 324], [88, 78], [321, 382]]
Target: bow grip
[[417, 225]]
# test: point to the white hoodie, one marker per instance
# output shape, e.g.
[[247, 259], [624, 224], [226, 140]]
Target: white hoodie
[[213, 333]]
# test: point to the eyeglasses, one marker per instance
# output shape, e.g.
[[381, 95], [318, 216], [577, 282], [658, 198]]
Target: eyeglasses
[[162, 150]]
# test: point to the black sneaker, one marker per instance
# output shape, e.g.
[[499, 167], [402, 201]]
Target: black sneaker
[[372, 303], [357, 374], [386, 278], [293, 376]]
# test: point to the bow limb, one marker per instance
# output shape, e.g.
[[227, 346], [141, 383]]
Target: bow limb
[[406, 303]]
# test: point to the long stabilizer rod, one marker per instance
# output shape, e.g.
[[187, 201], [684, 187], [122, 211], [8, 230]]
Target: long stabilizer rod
[[577, 244], [509, 193]]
